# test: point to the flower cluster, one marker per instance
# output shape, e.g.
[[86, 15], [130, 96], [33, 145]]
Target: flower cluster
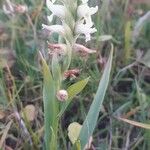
[[77, 22]]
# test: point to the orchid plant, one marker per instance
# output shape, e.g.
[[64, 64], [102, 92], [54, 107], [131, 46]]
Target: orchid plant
[[76, 19]]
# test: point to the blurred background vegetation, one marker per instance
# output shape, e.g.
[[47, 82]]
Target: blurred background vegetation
[[128, 95]]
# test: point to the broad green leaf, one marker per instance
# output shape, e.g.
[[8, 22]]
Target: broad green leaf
[[76, 88], [73, 90], [50, 105], [92, 116], [74, 131]]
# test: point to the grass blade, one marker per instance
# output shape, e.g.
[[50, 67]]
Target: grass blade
[[92, 116], [127, 41], [135, 123], [50, 104], [4, 136]]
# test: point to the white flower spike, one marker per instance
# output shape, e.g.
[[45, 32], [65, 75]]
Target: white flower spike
[[84, 13], [83, 25]]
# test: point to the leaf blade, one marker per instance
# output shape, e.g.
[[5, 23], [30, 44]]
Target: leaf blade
[[73, 90], [56, 70], [92, 116], [49, 102]]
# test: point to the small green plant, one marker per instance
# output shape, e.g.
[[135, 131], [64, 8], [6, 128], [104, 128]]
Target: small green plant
[[75, 19]]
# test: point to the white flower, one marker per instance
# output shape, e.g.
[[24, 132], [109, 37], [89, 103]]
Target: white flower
[[57, 10], [85, 29], [54, 28], [85, 12]]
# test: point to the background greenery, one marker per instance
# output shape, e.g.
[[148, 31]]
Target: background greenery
[[128, 94]]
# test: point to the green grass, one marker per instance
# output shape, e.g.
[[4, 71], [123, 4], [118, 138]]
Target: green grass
[[128, 90]]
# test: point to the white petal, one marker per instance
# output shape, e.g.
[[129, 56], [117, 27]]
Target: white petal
[[84, 1], [93, 10], [53, 1], [83, 13], [82, 10], [87, 37], [58, 10], [88, 21], [54, 28], [49, 4], [85, 29]]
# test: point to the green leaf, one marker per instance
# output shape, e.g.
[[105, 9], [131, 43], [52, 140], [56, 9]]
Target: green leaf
[[73, 90], [76, 88], [73, 131], [92, 116], [50, 104], [56, 71]]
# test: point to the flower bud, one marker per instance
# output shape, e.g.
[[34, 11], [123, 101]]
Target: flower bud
[[82, 50], [21, 9], [62, 95], [71, 73]]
